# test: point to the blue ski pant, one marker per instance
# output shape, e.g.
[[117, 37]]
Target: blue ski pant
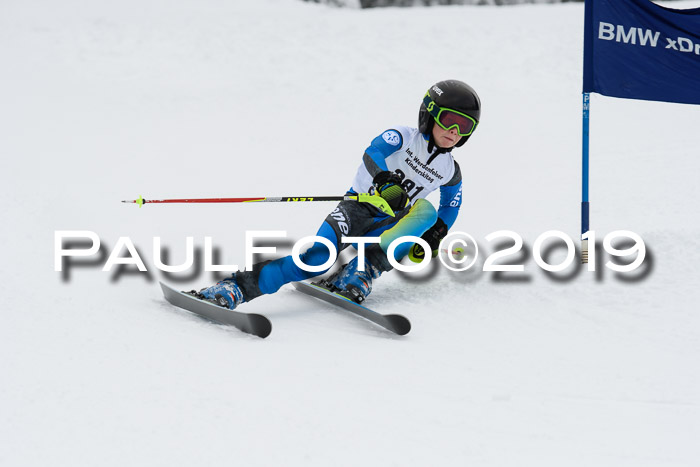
[[350, 219]]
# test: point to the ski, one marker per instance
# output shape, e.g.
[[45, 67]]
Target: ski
[[397, 324], [251, 323]]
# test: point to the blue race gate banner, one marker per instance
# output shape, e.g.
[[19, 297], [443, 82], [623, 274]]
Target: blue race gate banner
[[639, 50]]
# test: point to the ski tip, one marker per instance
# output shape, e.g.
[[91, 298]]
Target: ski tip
[[264, 328], [165, 287], [401, 324]]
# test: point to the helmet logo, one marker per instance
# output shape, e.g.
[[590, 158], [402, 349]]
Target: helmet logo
[[437, 90]]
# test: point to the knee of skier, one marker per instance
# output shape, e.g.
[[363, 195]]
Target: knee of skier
[[317, 255], [424, 210]]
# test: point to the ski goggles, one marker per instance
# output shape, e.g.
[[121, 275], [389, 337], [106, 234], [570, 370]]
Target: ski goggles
[[450, 118]]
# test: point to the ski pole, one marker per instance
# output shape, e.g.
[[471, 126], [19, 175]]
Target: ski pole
[[375, 200]]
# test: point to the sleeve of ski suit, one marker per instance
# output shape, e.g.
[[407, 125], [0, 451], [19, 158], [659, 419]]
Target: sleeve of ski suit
[[382, 147], [451, 198]]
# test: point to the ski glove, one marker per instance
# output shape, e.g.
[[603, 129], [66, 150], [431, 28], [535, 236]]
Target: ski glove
[[432, 236], [388, 186]]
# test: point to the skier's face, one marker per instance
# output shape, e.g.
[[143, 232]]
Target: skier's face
[[445, 138]]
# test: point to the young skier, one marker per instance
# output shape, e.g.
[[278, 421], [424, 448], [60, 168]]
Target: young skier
[[402, 165]]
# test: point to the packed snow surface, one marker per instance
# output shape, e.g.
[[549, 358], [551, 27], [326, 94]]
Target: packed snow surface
[[105, 101]]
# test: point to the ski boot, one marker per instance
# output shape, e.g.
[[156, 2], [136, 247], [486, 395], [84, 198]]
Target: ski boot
[[353, 283], [225, 293]]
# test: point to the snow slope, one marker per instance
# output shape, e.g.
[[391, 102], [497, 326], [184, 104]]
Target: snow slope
[[104, 101]]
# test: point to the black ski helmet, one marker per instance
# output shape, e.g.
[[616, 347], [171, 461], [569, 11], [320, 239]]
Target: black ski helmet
[[453, 94]]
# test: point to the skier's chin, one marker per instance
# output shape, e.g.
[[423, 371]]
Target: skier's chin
[[446, 143]]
